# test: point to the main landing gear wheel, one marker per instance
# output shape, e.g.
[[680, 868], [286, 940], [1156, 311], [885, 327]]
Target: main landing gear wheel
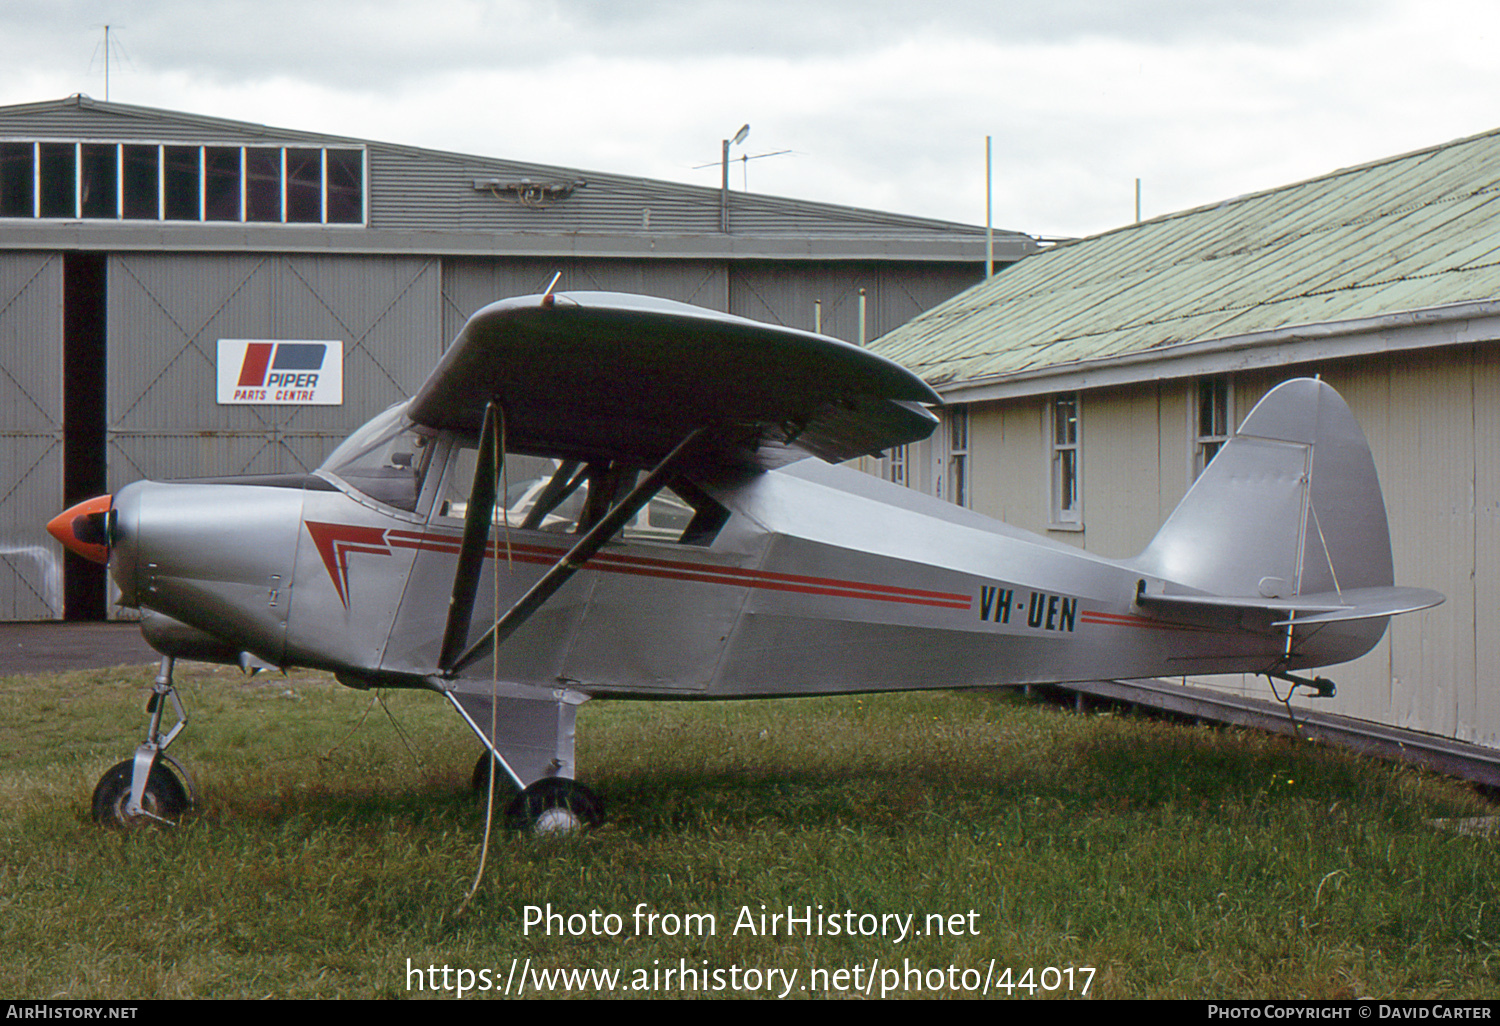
[[165, 799], [555, 805]]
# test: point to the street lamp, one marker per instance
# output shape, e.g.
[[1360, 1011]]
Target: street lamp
[[739, 137]]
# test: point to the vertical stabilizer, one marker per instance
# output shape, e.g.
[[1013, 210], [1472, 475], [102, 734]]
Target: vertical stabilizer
[[1290, 506]]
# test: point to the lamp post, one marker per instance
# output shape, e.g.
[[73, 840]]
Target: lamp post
[[739, 137]]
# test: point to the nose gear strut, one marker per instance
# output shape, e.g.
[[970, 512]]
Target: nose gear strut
[[143, 790]]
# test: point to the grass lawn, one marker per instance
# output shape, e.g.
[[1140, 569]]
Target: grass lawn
[[919, 844]]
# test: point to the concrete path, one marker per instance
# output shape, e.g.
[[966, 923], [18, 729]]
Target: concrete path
[[50, 646]]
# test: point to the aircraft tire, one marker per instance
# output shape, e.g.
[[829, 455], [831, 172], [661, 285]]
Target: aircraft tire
[[555, 805], [165, 797]]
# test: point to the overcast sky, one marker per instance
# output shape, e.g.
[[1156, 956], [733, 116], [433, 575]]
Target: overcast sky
[[882, 104]]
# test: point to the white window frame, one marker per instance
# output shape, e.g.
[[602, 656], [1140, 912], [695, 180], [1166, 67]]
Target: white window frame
[[1205, 440], [76, 214], [957, 482], [898, 465], [1065, 463]]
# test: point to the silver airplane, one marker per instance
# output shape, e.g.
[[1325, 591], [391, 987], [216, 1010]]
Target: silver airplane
[[597, 494]]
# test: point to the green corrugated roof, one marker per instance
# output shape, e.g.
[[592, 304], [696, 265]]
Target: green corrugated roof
[[1407, 233]]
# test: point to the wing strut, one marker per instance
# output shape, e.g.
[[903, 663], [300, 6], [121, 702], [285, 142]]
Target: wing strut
[[477, 520], [591, 542]]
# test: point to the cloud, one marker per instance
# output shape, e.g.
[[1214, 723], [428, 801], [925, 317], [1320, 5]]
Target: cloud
[[385, 44], [883, 104]]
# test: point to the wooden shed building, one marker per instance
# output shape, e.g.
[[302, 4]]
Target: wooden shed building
[[1088, 386]]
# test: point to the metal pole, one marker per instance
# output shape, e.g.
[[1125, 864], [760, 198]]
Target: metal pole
[[724, 192], [989, 218], [861, 316], [1137, 201]]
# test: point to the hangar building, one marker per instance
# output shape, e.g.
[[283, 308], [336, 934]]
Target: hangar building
[[133, 240], [1089, 384]]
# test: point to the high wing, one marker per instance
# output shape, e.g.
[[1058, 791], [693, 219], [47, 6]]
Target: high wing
[[615, 379], [598, 374]]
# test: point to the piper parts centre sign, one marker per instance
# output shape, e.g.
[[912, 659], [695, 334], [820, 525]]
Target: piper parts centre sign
[[275, 372]]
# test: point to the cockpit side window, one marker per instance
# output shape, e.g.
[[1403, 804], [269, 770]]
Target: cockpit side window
[[385, 460], [568, 496], [539, 494]]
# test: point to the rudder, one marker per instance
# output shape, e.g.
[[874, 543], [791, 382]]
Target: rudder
[[1291, 505]]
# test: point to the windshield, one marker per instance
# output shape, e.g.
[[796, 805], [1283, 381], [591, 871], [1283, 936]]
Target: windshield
[[386, 459]]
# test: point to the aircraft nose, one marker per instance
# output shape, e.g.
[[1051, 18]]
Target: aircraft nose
[[84, 528]]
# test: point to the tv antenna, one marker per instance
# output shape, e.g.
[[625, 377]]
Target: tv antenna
[[723, 162], [743, 160], [107, 46]]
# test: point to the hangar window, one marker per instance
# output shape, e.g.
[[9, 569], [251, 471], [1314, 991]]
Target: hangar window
[[59, 186], [1067, 477], [304, 186], [183, 172], [262, 185], [346, 186], [17, 179], [143, 181], [221, 183], [99, 179]]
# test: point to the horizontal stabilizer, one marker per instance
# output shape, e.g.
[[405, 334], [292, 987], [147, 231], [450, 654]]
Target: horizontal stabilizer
[[1305, 610]]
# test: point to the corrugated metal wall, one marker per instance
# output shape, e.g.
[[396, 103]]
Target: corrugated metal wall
[[425, 190], [393, 315], [31, 434], [472, 283], [784, 292], [778, 292], [168, 311]]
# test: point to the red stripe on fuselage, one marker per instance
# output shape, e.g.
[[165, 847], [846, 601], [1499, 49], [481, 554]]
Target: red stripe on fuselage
[[1127, 620], [678, 570]]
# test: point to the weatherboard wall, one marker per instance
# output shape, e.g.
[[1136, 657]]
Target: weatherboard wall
[[1381, 277], [1433, 423], [1429, 418]]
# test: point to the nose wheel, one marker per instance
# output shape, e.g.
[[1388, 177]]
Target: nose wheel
[[151, 788], [164, 800]]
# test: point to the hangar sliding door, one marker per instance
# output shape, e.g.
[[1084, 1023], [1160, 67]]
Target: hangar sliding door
[[168, 312], [31, 434]]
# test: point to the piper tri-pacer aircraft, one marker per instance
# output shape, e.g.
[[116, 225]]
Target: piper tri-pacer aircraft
[[598, 494]]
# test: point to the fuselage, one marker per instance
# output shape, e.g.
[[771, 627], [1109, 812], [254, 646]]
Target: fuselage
[[806, 579]]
